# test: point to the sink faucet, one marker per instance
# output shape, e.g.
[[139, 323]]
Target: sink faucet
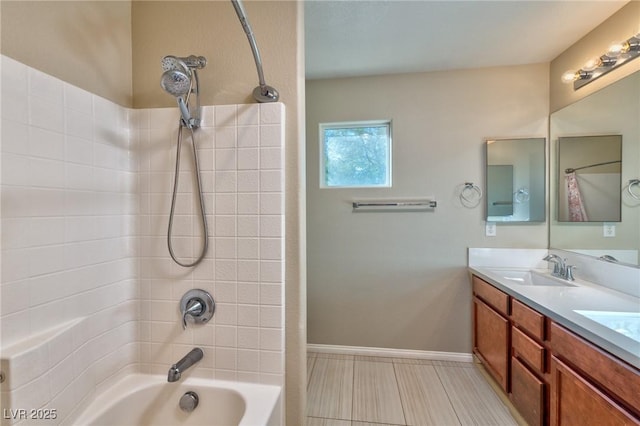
[[179, 367], [558, 264]]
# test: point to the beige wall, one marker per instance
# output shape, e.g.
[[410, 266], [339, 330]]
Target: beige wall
[[399, 280], [87, 44], [620, 26]]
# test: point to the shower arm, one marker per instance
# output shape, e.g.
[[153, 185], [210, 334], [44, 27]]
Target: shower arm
[[262, 93]]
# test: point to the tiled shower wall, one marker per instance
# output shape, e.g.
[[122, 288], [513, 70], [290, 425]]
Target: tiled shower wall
[[85, 188], [68, 242], [240, 155]]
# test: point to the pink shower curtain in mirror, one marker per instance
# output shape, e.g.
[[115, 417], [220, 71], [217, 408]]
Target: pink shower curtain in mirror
[[577, 213]]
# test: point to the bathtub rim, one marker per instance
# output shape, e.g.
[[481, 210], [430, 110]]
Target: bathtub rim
[[261, 401]]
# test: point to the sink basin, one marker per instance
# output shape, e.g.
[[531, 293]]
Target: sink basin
[[530, 278], [625, 323]]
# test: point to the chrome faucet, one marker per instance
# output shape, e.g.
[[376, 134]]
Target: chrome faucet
[[558, 265], [179, 367]]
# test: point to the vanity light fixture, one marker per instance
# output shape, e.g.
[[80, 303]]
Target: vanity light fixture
[[617, 54]]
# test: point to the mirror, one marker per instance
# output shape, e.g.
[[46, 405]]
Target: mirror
[[589, 173], [609, 116], [515, 180]]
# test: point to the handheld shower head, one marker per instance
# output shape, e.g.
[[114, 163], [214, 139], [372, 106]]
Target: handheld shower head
[[177, 83]]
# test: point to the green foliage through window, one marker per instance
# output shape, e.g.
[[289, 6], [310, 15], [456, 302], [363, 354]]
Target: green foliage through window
[[356, 154]]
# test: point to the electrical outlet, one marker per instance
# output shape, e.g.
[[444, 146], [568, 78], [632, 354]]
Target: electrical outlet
[[490, 229], [608, 229]]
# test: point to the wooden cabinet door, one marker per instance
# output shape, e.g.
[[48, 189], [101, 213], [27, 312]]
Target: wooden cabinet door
[[527, 394], [574, 401], [491, 341]]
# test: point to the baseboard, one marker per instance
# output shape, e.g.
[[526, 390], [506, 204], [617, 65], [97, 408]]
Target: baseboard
[[390, 352]]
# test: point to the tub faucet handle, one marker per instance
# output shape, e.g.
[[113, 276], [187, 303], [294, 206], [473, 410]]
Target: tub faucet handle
[[194, 309], [198, 305]]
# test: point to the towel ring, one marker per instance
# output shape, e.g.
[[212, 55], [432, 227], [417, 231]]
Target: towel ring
[[522, 195], [468, 193], [633, 183]]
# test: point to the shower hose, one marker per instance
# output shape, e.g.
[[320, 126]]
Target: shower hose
[[203, 216]]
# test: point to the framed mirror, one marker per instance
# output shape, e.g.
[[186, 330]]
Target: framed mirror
[[515, 180], [589, 178], [610, 114]]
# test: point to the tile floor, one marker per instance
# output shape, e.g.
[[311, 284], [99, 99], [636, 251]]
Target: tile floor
[[348, 390]]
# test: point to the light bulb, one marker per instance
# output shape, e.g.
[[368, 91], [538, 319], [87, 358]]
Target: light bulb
[[592, 64], [569, 77], [616, 49]]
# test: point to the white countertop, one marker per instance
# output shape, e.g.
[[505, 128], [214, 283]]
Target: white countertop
[[561, 303]]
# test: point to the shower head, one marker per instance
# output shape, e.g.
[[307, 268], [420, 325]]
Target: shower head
[[178, 84]]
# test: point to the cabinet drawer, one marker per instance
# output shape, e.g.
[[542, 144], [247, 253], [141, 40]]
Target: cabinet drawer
[[614, 376], [491, 295], [527, 393], [528, 319], [527, 350]]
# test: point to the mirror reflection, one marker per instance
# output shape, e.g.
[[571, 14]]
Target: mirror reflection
[[515, 173], [589, 183], [611, 111]]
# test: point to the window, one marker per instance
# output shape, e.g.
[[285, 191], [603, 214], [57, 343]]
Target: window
[[355, 154]]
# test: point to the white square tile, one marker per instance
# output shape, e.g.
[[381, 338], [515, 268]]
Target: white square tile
[[46, 144], [248, 360], [271, 362], [226, 292], [271, 339], [248, 248], [225, 115], [248, 226], [270, 158], [225, 358], [271, 203], [45, 86], [16, 170], [248, 315], [225, 204], [46, 114], [248, 204], [271, 181], [226, 270], [270, 226], [225, 248], [271, 249], [78, 99], [225, 159], [271, 113], [15, 137], [271, 271], [248, 337], [271, 294], [271, 136], [248, 159], [226, 336], [225, 137], [270, 316], [226, 181], [248, 181], [249, 270], [248, 114], [248, 293], [225, 226], [248, 136]]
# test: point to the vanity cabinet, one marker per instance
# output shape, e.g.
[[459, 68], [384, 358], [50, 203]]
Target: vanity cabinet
[[606, 390], [529, 389], [491, 330], [551, 375]]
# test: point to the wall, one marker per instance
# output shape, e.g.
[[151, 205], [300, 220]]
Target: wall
[[68, 242], [84, 43], [399, 280], [620, 26]]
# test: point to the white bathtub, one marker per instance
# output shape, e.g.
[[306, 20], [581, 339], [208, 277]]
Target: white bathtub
[[141, 400]]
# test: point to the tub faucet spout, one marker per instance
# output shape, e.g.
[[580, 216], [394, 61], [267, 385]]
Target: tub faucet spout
[[179, 367]]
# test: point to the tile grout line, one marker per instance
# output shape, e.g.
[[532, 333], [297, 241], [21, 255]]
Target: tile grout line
[[402, 402], [447, 393]]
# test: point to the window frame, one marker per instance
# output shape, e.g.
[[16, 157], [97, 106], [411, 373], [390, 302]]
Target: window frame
[[350, 125]]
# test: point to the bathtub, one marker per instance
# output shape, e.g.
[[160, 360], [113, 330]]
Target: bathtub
[[149, 400]]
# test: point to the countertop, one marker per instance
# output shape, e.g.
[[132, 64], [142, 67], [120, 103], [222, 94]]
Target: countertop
[[561, 303]]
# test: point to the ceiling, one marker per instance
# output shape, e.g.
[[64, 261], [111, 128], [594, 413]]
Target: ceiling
[[354, 38]]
